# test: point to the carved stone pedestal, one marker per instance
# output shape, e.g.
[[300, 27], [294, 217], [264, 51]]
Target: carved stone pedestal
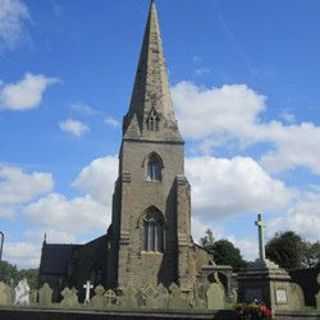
[[266, 282]]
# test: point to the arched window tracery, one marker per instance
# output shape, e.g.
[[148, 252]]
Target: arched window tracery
[[153, 232], [153, 121]]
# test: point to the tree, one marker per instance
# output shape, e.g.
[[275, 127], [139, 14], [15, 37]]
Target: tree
[[287, 249], [312, 255], [223, 251], [8, 272], [11, 275]]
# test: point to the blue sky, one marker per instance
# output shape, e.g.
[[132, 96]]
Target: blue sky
[[244, 78]]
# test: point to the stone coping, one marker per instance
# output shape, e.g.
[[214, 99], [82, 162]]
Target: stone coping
[[177, 314]]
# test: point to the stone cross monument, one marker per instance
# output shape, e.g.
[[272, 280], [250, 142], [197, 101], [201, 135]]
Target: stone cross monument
[[261, 226]]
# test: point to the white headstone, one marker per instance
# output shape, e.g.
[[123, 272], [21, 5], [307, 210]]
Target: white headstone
[[88, 286], [22, 293]]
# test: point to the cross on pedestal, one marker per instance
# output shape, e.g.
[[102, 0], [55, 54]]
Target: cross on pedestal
[[261, 226], [88, 286]]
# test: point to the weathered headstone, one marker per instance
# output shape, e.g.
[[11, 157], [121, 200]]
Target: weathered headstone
[[70, 298], [111, 298], [163, 297], [5, 294], [129, 298], [22, 293], [176, 300], [45, 295], [34, 296], [196, 301], [216, 296], [98, 301], [150, 297]]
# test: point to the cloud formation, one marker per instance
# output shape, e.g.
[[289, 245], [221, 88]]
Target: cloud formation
[[77, 216], [74, 127], [234, 113], [17, 186], [223, 187], [25, 94], [14, 15], [112, 122]]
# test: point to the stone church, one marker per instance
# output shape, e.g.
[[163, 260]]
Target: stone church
[[149, 239]]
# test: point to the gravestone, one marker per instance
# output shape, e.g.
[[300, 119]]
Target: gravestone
[[196, 301], [45, 295], [129, 298], [22, 293], [163, 297], [88, 286], [150, 296], [176, 300], [110, 298], [5, 294], [98, 301], [34, 296], [216, 296], [70, 298]]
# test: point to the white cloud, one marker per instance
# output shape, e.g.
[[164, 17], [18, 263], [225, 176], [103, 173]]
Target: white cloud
[[202, 71], [303, 218], [18, 187], [84, 109], [229, 110], [74, 127], [112, 122], [13, 16], [248, 247], [229, 186], [76, 216], [25, 94], [215, 116], [6, 212], [295, 145], [23, 254], [288, 117], [98, 178]]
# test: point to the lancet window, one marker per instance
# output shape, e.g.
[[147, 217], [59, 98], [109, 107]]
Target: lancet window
[[153, 232], [154, 168], [153, 121]]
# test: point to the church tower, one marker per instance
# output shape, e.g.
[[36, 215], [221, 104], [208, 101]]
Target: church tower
[[151, 232]]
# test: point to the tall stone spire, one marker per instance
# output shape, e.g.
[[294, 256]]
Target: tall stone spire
[[151, 94]]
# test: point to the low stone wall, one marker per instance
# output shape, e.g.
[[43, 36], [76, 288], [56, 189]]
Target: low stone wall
[[296, 315], [15, 313]]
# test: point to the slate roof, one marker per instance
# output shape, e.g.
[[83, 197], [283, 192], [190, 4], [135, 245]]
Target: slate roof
[[55, 258]]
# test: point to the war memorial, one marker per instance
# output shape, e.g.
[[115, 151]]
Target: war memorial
[[147, 266]]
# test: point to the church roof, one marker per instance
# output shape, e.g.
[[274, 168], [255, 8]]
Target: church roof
[[151, 88], [55, 258]]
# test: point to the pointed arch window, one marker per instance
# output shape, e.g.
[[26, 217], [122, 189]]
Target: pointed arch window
[[153, 121], [154, 168], [153, 232]]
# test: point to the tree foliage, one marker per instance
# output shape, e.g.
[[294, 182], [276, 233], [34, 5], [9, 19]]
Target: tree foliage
[[223, 251], [11, 275], [290, 251]]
